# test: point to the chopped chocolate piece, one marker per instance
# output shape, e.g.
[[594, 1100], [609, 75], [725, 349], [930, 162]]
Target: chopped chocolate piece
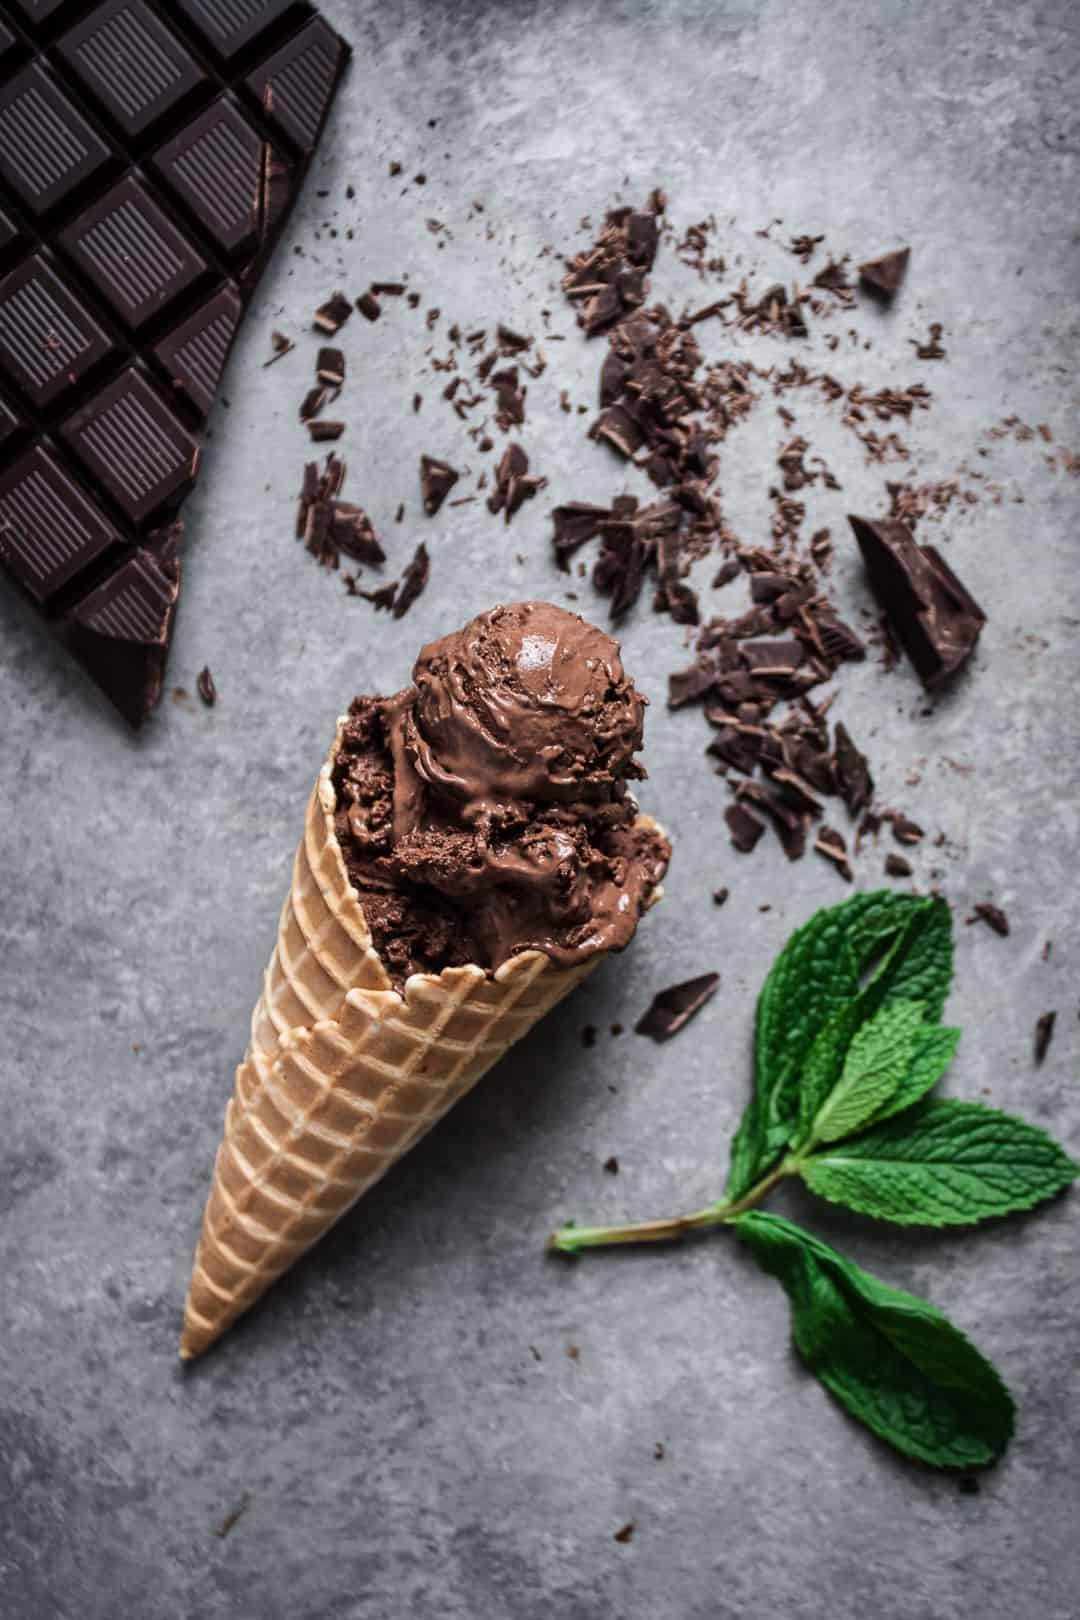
[[935, 617], [388, 289], [413, 581], [612, 1165], [383, 597], [719, 896], [897, 866], [576, 522], [204, 685], [673, 593], [513, 482], [330, 367], [312, 403], [331, 316], [831, 844], [369, 305], [883, 276], [690, 685], [321, 432], [1044, 1034], [789, 824], [906, 831], [985, 911], [281, 346], [726, 573], [437, 479], [608, 281], [745, 828], [852, 771], [352, 532], [626, 1533], [673, 1008]]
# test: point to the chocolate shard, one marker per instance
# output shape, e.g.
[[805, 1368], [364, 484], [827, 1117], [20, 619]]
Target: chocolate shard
[[121, 631], [575, 523], [412, 582], [789, 824], [514, 484], [331, 316], [205, 686], [437, 479], [744, 827], [883, 276], [1044, 1034], [830, 843], [935, 616], [672, 1009], [690, 685], [896, 865], [852, 772]]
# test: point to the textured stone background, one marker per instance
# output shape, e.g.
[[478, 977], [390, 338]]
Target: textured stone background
[[403, 1452]]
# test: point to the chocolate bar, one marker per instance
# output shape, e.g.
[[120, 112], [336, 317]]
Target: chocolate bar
[[150, 152]]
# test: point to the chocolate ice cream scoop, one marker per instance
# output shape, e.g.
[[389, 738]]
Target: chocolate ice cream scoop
[[526, 702]]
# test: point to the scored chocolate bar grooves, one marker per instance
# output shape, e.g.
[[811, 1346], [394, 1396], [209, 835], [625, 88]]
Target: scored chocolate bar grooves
[[150, 153]]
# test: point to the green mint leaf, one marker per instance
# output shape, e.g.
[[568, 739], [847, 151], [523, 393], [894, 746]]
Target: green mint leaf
[[814, 978], [948, 1164], [895, 1362], [917, 957], [875, 1068], [935, 1049]]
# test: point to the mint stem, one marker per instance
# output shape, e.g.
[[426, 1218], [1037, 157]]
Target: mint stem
[[571, 1239]]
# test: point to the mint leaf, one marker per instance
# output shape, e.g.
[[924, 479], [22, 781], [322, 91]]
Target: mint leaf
[[948, 1164], [917, 957], [814, 978], [895, 1362], [874, 1069], [935, 1049]]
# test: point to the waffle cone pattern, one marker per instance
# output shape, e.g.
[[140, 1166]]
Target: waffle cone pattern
[[342, 1075]]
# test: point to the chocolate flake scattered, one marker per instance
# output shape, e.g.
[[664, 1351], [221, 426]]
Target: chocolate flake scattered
[[609, 280], [896, 865], [719, 896], [930, 348], [230, 1521], [626, 1533], [331, 316], [204, 685], [830, 843], [513, 482], [611, 1165], [673, 1008], [992, 915], [935, 616], [853, 779], [281, 346], [437, 479], [1044, 1034], [882, 277], [413, 581]]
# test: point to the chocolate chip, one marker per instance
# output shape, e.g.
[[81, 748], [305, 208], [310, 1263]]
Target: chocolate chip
[[673, 1008]]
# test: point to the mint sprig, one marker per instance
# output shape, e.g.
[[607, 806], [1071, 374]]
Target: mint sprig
[[848, 1045]]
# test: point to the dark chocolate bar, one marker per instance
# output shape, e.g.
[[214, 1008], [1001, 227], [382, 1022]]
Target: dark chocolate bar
[[150, 152]]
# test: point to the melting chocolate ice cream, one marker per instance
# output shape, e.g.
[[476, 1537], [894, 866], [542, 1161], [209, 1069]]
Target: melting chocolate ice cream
[[484, 810]]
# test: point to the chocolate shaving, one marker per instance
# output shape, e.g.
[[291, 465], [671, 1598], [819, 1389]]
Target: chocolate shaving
[[852, 771], [1044, 1034], [513, 482], [985, 911], [204, 685], [437, 479], [673, 1008], [830, 843], [413, 581], [576, 522], [281, 346]]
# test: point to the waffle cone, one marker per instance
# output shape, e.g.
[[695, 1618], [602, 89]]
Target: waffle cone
[[342, 1075]]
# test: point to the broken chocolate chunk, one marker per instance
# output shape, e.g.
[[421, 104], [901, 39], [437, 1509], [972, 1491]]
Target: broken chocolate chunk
[[576, 522], [437, 479], [852, 771], [905, 831], [513, 482], [673, 1008], [1044, 1034], [204, 685], [935, 616], [744, 827], [413, 581], [312, 403], [330, 367], [883, 276], [325, 431], [369, 305], [897, 866], [331, 316]]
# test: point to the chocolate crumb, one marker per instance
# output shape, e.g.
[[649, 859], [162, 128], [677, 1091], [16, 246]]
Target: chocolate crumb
[[658, 1451], [573, 1352], [673, 1008], [719, 896], [930, 348], [281, 346], [969, 1484], [626, 1533], [992, 915], [1048, 946], [205, 687], [1044, 1034], [611, 1165], [534, 1352], [230, 1520], [616, 1029], [588, 1035], [896, 866]]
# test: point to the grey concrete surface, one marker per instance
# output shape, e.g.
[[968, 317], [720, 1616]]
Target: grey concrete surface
[[401, 1450]]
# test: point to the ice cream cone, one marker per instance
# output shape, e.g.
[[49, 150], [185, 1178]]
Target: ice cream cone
[[341, 1077]]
